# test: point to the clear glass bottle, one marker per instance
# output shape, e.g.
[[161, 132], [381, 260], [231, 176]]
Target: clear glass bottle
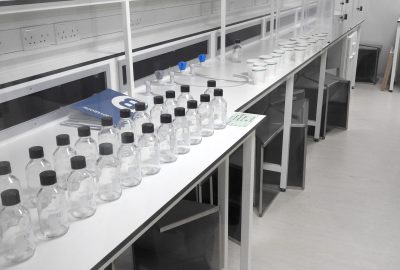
[[167, 139], [206, 113], [149, 150], [81, 189], [17, 241], [125, 123], [129, 158], [107, 174], [62, 156], [52, 206], [211, 85], [170, 103], [181, 132], [220, 109], [107, 133], [140, 117], [86, 146], [184, 97], [7, 180], [194, 122], [237, 52], [157, 110], [35, 166]]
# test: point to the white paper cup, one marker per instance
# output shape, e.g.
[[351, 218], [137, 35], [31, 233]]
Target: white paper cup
[[271, 68], [250, 63], [299, 54], [266, 57], [289, 55], [258, 74]]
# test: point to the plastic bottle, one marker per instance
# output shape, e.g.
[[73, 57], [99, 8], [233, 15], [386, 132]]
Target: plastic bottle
[[211, 84], [125, 123], [140, 118], [107, 174], [184, 97], [108, 134], [170, 103], [17, 241], [81, 189], [149, 150], [52, 206], [86, 146], [7, 180], [194, 122], [157, 110], [181, 132], [62, 156], [35, 166], [206, 113], [237, 52], [129, 158], [167, 139], [220, 109]]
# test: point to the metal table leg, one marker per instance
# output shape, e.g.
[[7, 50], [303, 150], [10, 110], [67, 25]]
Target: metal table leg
[[395, 58], [223, 203], [320, 100]]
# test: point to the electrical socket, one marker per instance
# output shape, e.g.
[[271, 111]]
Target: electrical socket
[[37, 37], [136, 20], [67, 32]]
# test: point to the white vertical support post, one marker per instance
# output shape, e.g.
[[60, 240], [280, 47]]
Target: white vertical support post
[[212, 45], [278, 22], [296, 21], [320, 98], [126, 14], [223, 203], [263, 27], [249, 148], [272, 24], [287, 125], [395, 58], [353, 78], [303, 16], [223, 30]]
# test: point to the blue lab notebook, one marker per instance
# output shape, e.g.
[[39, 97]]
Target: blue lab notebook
[[106, 103]]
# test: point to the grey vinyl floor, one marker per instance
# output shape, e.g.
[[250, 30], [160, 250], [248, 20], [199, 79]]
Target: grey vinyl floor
[[348, 217]]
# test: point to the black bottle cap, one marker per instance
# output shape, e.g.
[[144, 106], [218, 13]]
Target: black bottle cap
[[158, 100], [237, 41], [10, 197], [36, 152], [192, 104], [185, 88], [166, 118], [84, 131], [204, 98], [148, 128], [127, 137], [179, 111], [125, 113], [106, 121], [78, 162], [106, 149], [170, 94], [48, 178], [140, 106], [5, 167], [211, 83], [62, 140], [218, 92]]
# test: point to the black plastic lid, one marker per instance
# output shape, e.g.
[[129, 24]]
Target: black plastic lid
[[125, 113], [218, 92], [36, 152], [185, 88], [211, 83], [140, 106], [10, 197], [78, 162], [48, 178], [148, 128], [165, 118], [238, 41], [84, 131], [106, 149], [106, 121], [158, 100], [192, 104], [204, 98], [5, 167], [127, 137], [179, 111], [62, 140], [170, 94]]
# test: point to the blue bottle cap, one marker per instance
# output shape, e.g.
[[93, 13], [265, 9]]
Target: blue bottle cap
[[202, 58], [182, 65]]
